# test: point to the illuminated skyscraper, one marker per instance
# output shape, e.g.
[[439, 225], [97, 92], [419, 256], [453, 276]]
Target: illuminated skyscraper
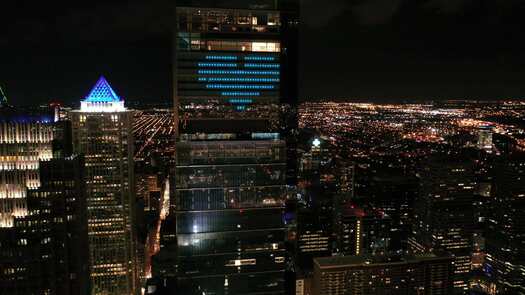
[[102, 132], [313, 240], [24, 141], [233, 68], [444, 214], [505, 236], [362, 231], [43, 230], [360, 275], [485, 138]]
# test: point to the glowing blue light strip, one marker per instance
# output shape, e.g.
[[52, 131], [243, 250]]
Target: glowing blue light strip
[[240, 93], [241, 108], [238, 72], [261, 135], [217, 65], [256, 57], [249, 65], [240, 100], [221, 57], [222, 79], [238, 86]]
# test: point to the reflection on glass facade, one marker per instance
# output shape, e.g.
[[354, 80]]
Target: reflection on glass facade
[[102, 132], [231, 171]]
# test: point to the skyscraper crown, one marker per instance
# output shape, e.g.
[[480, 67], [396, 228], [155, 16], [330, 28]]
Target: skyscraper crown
[[102, 92], [102, 98]]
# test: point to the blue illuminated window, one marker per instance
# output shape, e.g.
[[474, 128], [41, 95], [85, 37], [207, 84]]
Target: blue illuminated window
[[240, 93], [227, 79], [217, 64], [240, 100], [237, 72], [241, 108], [238, 86], [250, 65], [256, 57], [221, 57]]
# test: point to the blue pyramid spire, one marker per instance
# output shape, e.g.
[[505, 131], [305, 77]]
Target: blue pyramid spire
[[102, 92]]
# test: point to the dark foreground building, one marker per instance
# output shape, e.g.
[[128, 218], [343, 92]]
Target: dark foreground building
[[233, 69], [360, 275], [444, 216]]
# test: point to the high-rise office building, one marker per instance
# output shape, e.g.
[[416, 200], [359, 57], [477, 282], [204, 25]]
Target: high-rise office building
[[360, 275], [102, 132], [24, 141], [505, 236], [485, 138], [233, 67], [44, 252], [393, 192], [362, 231], [312, 239], [43, 229], [444, 215]]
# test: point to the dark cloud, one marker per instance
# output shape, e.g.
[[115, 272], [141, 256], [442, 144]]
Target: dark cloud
[[447, 6], [106, 21]]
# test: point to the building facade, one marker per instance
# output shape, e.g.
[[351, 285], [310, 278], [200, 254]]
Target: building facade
[[444, 214], [313, 240], [360, 275], [24, 142], [485, 138], [102, 132], [43, 229], [362, 231], [505, 236], [232, 71]]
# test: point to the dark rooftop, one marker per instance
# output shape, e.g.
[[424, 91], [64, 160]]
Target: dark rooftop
[[346, 261]]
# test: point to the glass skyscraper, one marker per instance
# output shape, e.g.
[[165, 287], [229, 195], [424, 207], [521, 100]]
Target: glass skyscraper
[[233, 69], [102, 132]]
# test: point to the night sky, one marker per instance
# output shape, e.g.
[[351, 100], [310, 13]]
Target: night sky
[[368, 49]]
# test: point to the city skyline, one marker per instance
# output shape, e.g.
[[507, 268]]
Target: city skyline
[[263, 147], [381, 166]]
